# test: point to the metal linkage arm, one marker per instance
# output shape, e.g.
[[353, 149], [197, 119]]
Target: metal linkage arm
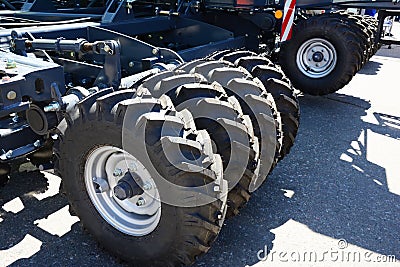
[[62, 45]]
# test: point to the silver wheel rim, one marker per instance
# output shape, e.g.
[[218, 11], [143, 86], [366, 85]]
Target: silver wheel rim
[[136, 216], [316, 58]]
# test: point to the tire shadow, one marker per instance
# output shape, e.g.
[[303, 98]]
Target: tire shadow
[[333, 197], [370, 68], [21, 235]]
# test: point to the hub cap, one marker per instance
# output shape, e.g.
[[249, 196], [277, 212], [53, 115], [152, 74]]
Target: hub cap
[[137, 215], [316, 58]]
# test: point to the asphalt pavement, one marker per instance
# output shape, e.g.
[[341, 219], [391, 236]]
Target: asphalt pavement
[[333, 201]]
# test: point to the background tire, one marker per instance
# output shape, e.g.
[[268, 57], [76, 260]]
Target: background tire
[[333, 52]]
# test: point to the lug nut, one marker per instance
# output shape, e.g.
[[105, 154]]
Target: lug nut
[[132, 167], [140, 202], [117, 172], [147, 186]]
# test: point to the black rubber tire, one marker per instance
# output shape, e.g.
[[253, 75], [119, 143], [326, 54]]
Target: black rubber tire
[[182, 234], [255, 102], [222, 118], [348, 50], [279, 86], [361, 29], [373, 28]]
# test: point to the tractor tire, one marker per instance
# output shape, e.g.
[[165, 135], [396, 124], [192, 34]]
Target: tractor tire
[[279, 86], [221, 116], [93, 143], [361, 29], [322, 56], [255, 102], [373, 28]]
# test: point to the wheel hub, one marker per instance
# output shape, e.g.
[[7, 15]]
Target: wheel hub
[[122, 191], [316, 58], [127, 187]]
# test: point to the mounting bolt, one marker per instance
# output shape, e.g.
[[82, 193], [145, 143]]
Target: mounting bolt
[[131, 64], [9, 154], [117, 172], [147, 186], [53, 106], [217, 188], [312, 50], [140, 202], [11, 95], [317, 65], [132, 167], [154, 51], [36, 144]]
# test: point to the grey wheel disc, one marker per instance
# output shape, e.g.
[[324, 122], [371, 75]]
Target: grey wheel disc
[[136, 216]]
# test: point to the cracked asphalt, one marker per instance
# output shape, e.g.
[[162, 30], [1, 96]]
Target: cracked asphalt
[[333, 201]]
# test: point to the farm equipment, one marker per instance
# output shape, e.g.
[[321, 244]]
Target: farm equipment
[[160, 114]]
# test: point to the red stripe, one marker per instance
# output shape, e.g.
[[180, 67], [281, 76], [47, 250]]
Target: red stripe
[[288, 15]]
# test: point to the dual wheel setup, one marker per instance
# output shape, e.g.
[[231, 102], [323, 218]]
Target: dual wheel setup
[[327, 50], [153, 170]]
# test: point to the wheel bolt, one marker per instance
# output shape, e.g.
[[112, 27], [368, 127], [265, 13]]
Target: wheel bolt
[[140, 202], [132, 167], [147, 186], [117, 172]]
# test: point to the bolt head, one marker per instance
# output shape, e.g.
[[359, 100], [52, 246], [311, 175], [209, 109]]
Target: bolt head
[[132, 167], [131, 64], [147, 186], [117, 172], [140, 202], [11, 95], [36, 144]]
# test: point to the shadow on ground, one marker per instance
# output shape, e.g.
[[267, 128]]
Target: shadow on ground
[[333, 197], [370, 68]]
